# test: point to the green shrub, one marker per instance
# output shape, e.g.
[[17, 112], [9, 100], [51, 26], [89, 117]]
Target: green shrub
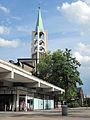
[[73, 104], [84, 105]]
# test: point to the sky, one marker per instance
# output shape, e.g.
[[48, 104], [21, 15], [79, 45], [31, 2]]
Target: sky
[[67, 22]]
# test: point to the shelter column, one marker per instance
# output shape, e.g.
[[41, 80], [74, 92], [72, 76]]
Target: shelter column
[[26, 102], [17, 101], [14, 102]]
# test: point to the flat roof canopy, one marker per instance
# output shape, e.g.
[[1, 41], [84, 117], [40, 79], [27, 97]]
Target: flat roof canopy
[[15, 74]]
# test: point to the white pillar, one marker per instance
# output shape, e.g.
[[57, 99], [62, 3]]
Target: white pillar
[[14, 102], [26, 102], [17, 101], [38, 46]]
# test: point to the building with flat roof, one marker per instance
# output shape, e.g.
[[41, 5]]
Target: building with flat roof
[[20, 90]]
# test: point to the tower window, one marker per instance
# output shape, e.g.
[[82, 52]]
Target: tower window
[[42, 35], [36, 36]]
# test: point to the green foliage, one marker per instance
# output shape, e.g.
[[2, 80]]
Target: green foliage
[[88, 101], [60, 69], [84, 105], [44, 68], [73, 104], [72, 93]]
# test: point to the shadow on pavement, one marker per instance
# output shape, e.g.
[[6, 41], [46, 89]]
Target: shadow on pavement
[[79, 116], [76, 114]]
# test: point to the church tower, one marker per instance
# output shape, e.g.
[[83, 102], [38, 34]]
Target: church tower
[[39, 43]]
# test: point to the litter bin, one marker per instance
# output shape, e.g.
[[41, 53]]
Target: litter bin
[[64, 110]]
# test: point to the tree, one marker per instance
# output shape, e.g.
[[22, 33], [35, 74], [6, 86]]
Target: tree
[[60, 69]]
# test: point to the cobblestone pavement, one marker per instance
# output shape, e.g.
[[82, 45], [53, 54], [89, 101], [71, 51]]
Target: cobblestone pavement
[[73, 114]]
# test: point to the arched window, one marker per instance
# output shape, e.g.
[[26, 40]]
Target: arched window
[[42, 35], [42, 43]]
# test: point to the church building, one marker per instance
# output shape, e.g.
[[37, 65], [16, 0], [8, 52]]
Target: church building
[[19, 89]]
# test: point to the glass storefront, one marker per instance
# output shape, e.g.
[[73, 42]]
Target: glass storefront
[[30, 104], [6, 101], [20, 100], [22, 103]]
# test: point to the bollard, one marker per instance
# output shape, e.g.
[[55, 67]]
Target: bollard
[[5, 107]]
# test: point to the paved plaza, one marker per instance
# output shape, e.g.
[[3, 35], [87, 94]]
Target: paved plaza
[[73, 114]]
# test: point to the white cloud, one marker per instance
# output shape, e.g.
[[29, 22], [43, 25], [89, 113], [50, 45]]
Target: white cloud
[[81, 58], [82, 48], [7, 43], [1, 30], [16, 18], [4, 9], [4, 30], [77, 12], [87, 1], [24, 29], [83, 54]]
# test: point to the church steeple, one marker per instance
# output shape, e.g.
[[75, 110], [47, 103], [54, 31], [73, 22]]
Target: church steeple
[[39, 43], [39, 21]]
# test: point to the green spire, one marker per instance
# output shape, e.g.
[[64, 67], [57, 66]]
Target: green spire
[[39, 21]]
